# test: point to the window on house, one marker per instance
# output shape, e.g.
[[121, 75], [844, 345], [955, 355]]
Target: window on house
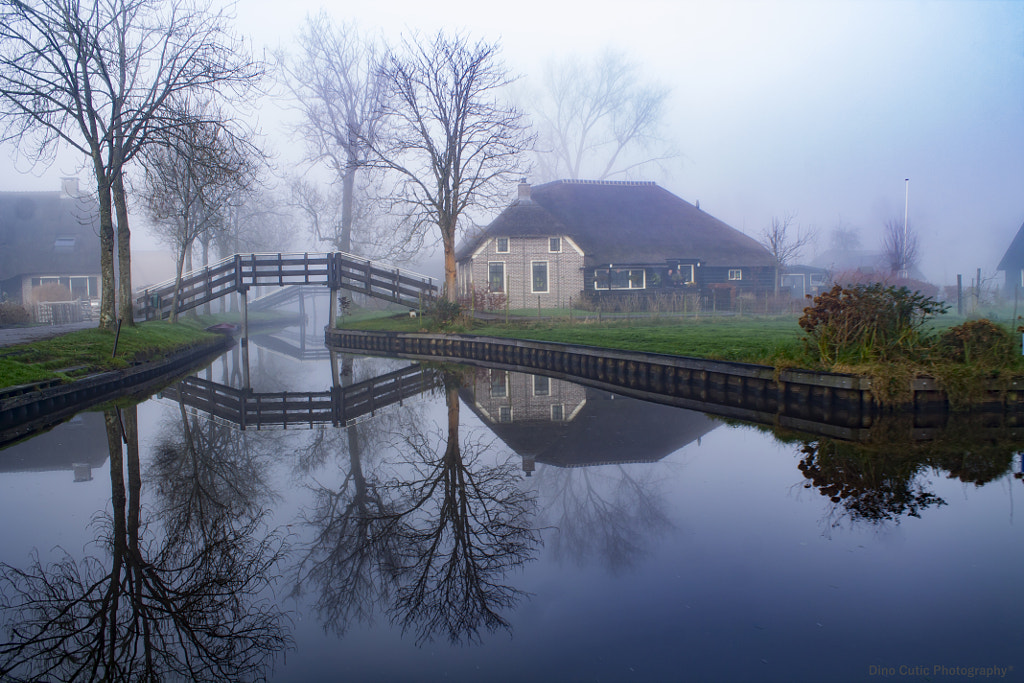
[[496, 276], [555, 244], [501, 245], [817, 279], [735, 274], [504, 413], [619, 278], [557, 413], [64, 243], [499, 384], [541, 385], [540, 277], [681, 274]]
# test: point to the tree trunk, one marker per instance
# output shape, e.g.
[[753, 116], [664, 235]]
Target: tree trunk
[[448, 240], [108, 309], [348, 183], [124, 252]]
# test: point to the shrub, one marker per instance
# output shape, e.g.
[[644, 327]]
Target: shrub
[[12, 313], [483, 300], [443, 311], [980, 342], [863, 323], [51, 291]]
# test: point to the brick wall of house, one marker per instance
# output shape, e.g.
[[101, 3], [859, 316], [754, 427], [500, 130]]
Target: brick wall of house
[[517, 397], [565, 271]]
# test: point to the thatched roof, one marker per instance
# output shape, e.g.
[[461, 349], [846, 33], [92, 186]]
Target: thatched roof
[[1013, 259], [47, 233], [624, 223]]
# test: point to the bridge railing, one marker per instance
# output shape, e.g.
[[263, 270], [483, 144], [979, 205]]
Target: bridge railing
[[336, 270]]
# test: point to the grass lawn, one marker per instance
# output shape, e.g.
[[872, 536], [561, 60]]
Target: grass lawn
[[755, 340], [85, 352]]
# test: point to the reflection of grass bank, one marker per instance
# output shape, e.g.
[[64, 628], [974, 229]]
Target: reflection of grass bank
[[85, 352]]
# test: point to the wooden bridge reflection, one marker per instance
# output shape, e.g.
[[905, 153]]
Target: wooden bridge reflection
[[341, 405]]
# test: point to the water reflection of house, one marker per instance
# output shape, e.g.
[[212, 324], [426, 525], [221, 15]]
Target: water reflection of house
[[563, 424], [78, 445]]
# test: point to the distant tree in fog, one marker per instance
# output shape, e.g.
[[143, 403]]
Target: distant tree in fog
[[599, 119], [899, 246], [778, 238], [336, 79], [452, 144], [191, 178], [845, 238]]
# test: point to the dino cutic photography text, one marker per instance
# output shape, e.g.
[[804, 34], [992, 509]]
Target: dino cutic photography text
[[940, 671]]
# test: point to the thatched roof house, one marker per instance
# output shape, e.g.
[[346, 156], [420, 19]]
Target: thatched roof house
[[604, 238]]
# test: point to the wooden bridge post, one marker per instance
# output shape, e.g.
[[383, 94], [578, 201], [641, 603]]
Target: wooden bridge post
[[333, 281]]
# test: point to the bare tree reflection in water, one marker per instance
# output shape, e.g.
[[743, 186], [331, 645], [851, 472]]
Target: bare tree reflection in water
[[613, 513], [429, 540], [140, 609]]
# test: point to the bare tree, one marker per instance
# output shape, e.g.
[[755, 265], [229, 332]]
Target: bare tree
[[899, 246], [336, 79], [779, 239], [599, 118], [451, 141], [844, 237], [98, 77], [191, 179]]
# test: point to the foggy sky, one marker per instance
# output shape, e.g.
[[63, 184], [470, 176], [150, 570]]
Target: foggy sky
[[819, 108]]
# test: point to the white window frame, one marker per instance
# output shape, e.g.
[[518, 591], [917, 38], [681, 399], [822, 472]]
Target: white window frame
[[560, 409], [547, 386], [504, 277], [547, 278], [497, 245], [505, 414], [735, 274], [629, 279], [557, 241]]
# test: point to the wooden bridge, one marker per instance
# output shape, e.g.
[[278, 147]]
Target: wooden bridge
[[339, 406], [336, 270]]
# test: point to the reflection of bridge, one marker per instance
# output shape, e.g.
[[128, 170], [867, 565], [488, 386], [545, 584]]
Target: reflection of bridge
[[338, 406], [336, 270]]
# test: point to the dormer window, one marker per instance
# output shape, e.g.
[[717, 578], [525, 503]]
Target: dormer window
[[501, 245]]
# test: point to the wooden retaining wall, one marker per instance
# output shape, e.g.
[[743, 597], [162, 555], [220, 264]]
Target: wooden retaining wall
[[744, 391], [24, 410]]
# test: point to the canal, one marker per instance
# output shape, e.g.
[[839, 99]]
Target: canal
[[406, 522]]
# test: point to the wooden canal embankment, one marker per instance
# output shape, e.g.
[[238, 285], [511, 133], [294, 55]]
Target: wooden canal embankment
[[30, 408], [820, 402]]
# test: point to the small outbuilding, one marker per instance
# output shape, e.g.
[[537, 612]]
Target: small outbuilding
[[569, 239]]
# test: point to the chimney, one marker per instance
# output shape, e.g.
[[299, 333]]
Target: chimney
[[69, 188], [524, 192]]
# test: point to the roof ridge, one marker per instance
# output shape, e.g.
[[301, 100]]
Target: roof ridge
[[577, 181]]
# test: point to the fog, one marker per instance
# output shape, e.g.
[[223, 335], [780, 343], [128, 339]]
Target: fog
[[817, 108]]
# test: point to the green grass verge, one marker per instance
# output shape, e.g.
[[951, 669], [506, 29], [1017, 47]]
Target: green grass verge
[[85, 352]]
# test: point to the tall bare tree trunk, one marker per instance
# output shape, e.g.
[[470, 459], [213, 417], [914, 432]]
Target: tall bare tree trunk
[[107, 289], [124, 252]]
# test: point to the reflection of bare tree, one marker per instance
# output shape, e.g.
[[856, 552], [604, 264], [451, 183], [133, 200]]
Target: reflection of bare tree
[[430, 542], [605, 511], [205, 471], [144, 612]]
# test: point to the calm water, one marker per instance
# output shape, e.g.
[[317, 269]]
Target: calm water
[[511, 528]]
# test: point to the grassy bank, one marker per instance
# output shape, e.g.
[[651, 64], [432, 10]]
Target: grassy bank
[[85, 352], [752, 340]]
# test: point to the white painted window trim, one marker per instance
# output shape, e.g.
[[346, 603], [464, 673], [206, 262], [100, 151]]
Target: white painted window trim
[[497, 245], [555, 251], [735, 274]]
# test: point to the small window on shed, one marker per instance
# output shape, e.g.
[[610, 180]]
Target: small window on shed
[[735, 274], [501, 245], [555, 245]]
